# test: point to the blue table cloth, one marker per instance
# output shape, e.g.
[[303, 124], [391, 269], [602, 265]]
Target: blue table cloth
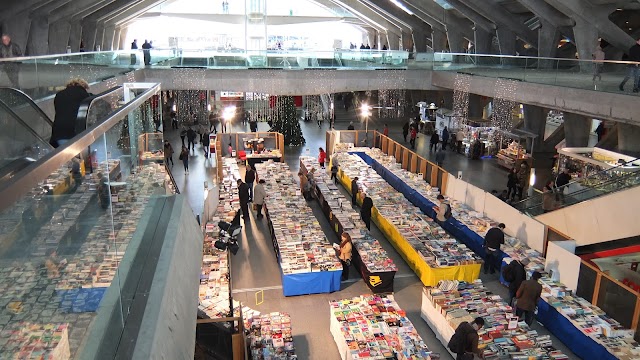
[[311, 283], [454, 227], [581, 344], [80, 300]]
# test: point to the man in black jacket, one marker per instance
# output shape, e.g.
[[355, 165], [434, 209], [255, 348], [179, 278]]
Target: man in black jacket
[[191, 139], [250, 178], [633, 70], [467, 346], [365, 211], [243, 194], [515, 274], [354, 191], [492, 242], [66, 103]]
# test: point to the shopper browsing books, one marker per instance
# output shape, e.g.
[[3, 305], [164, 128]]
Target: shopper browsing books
[[322, 157], [365, 210], [464, 342], [243, 194], [515, 274], [259, 194], [443, 209], [492, 242], [354, 191], [334, 174], [528, 295], [344, 253]]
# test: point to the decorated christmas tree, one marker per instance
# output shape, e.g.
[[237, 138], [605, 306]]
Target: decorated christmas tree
[[286, 121]]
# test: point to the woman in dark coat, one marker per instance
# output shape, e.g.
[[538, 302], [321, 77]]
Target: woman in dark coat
[[66, 103]]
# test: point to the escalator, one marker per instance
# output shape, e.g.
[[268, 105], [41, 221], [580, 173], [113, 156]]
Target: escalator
[[23, 107], [605, 182]]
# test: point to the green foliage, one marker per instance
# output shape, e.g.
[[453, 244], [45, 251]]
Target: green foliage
[[286, 121]]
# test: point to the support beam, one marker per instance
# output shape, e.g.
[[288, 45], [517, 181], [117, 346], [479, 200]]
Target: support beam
[[109, 34], [434, 14], [586, 36], [420, 41], [18, 27], [483, 41], [577, 129], [38, 42], [407, 42], [122, 45], [59, 37], [77, 9], [456, 42], [535, 121], [439, 41], [628, 136], [374, 20], [506, 41], [503, 19], [548, 38], [394, 41], [547, 13], [472, 15]]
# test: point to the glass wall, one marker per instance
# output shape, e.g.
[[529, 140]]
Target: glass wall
[[64, 241]]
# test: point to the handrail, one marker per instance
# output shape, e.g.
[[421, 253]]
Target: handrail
[[171, 178], [16, 117], [625, 62], [30, 176], [85, 106], [29, 101]]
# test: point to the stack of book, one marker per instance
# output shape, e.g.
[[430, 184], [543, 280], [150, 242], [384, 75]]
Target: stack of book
[[299, 240], [35, 341], [591, 320], [270, 337], [497, 339], [472, 219], [371, 252], [375, 327], [430, 240]]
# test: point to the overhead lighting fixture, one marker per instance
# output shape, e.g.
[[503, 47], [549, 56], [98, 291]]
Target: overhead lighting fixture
[[401, 6]]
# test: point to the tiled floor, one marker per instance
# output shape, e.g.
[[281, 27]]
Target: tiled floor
[[254, 268]]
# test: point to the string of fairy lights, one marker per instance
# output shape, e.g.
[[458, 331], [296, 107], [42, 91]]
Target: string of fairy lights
[[503, 104], [461, 87]]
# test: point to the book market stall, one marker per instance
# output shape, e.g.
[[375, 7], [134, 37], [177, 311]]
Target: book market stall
[[374, 327], [371, 260], [425, 246], [308, 262], [502, 337]]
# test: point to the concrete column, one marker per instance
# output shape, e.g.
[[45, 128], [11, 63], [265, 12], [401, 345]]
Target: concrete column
[[420, 41], [629, 139], [394, 41], [99, 37], [483, 41], [476, 106], [18, 27], [88, 30], [116, 39], [586, 37], [59, 36], [38, 43], [577, 129], [407, 41], [122, 45], [535, 121], [75, 36], [506, 40], [456, 41], [109, 33], [439, 40], [548, 37]]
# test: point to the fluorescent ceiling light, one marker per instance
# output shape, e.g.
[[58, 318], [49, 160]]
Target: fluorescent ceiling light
[[401, 6]]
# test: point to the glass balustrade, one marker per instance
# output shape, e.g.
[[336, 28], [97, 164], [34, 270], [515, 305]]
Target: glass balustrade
[[27, 110]]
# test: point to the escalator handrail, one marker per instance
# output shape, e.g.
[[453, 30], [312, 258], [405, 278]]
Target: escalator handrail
[[526, 204], [85, 106], [8, 109], [30, 102]]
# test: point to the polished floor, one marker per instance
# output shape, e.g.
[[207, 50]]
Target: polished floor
[[255, 271]]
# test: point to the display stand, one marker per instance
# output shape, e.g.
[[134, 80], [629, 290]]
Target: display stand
[[379, 275], [151, 147]]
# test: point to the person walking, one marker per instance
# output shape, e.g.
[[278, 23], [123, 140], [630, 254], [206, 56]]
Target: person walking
[[528, 295], [259, 195], [322, 157], [434, 141], [9, 49], [249, 179], [548, 198], [523, 179], [405, 130], [134, 46], [598, 57], [304, 186], [512, 183], [168, 152], [414, 135], [464, 342], [445, 137], [385, 131], [184, 156], [633, 70], [183, 134], [601, 130], [345, 254], [354, 191], [515, 274], [174, 120], [206, 142], [365, 210], [440, 154], [245, 198], [334, 174], [491, 245], [66, 103], [351, 127], [191, 139]]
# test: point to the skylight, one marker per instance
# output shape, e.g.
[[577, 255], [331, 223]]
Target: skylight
[[401, 6]]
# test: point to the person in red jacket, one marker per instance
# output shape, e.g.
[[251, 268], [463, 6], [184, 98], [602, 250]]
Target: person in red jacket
[[322, 157]]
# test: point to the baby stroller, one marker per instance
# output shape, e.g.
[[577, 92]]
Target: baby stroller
[[228, 235]]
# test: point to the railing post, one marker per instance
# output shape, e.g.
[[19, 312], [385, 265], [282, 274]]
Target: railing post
[[596, 289]]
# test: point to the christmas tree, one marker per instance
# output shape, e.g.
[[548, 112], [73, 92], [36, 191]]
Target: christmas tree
[[286, 121]]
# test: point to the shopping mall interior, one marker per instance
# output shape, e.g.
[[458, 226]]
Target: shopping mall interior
[[319, 179]]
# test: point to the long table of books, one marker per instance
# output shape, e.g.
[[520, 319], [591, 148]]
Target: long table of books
[[52, 286], [502, 337], [374, 327], [582, 326], [424, 245], [371, 260], [308, 262]]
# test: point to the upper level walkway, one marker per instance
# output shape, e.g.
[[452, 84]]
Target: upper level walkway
[[561, 84]]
